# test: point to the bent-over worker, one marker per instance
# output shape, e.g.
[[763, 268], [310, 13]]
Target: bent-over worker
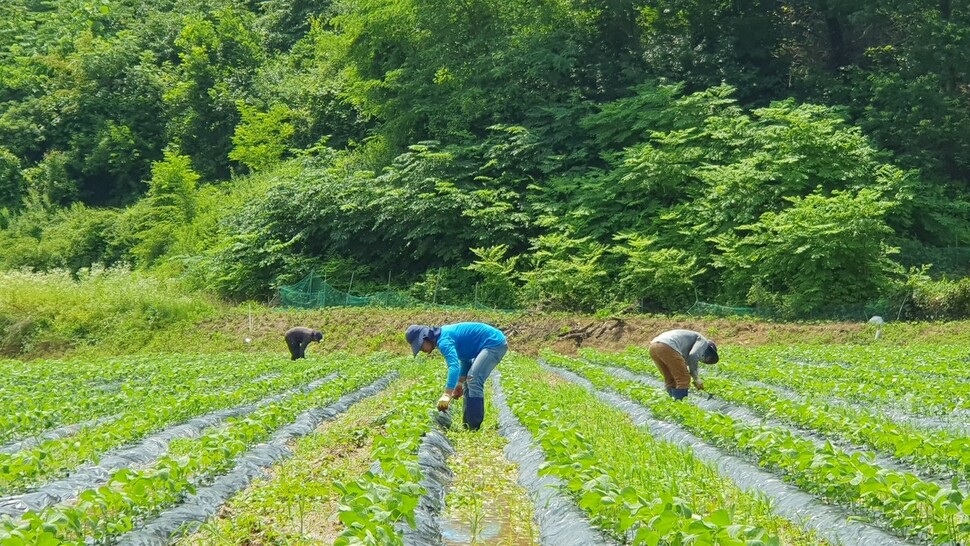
[[471, 350], [676, 354], [298, 338]]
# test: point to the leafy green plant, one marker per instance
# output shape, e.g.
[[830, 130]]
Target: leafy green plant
[[371, 505], [621, 477], [908, 505], [662, 277], [935, 452], [819, 251], [566, 273], [260, 138], [130, 496], [189, 388], [498, 288]]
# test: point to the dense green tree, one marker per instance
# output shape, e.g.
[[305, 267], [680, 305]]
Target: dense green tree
[[566, 273], [219, 53], [821, 251], [657, 278], [260, 139], [561, 154], [171, 201], [11, 181]]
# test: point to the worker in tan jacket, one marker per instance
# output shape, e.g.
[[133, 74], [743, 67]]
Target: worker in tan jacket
[[676, 354]]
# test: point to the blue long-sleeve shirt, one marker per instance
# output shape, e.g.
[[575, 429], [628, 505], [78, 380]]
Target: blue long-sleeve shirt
[[460, 343]]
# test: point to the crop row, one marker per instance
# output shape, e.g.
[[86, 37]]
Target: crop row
[[375, 505], [934, 452], [102, 387], [131, 496], [635, 488], [904, 503], [54, 458], [909, 392], [283, 507], [952, 361]]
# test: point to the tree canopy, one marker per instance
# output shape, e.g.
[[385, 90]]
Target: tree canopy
[[562, 154]]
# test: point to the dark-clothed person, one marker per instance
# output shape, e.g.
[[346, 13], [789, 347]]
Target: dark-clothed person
[[298, 338]]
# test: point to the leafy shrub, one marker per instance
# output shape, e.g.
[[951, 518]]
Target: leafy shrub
[[650, 275], [821, 250], [72, 238], [170, 203], [11, 181], [498, 287], [566, 274], [260, 139], [939, 299]]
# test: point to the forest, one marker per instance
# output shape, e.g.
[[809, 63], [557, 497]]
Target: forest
[[803, 157]]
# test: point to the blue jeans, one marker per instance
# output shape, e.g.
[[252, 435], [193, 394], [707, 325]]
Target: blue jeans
[[477, 370]]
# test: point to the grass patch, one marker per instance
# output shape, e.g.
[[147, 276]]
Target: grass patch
[[485, 505], [107, 311], [116, 312]]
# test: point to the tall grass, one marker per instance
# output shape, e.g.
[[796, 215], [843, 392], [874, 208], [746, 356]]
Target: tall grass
[[55, 312]]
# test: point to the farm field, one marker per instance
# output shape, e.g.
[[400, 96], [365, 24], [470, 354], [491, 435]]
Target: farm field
[[800, 445]]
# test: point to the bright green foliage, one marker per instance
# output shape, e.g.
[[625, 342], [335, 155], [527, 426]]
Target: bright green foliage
[[217, 52], [111, 308], [637, 489], [908, 505], [371, 505], [260, 138], [716, 173], [423, 129], [48, 182], [170, 203], [69, 238], [822, 249], [498, 286], [11, 181], [427, 206], [566, 273], [937, 299], [105, 512], [661, 275]]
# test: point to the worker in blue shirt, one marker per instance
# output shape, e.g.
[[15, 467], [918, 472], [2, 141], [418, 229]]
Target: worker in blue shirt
[[471, 350]]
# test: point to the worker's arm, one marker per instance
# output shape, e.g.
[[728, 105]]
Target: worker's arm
[[448, 350], [696, 352], [462, 377]]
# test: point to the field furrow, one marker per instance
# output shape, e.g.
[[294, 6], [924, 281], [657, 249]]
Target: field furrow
[[632, 486], [898, 501]]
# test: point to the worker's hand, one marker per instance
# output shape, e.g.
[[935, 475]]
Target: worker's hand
[[699, 385], [459, 390], [444, 402]]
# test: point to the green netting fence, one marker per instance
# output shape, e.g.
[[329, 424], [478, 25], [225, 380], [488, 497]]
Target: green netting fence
[[860, 312], [712, 309], [314, 292]]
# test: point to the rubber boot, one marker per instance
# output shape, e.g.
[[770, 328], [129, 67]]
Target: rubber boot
[[474, 413], [670, 392], [679, 394]]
